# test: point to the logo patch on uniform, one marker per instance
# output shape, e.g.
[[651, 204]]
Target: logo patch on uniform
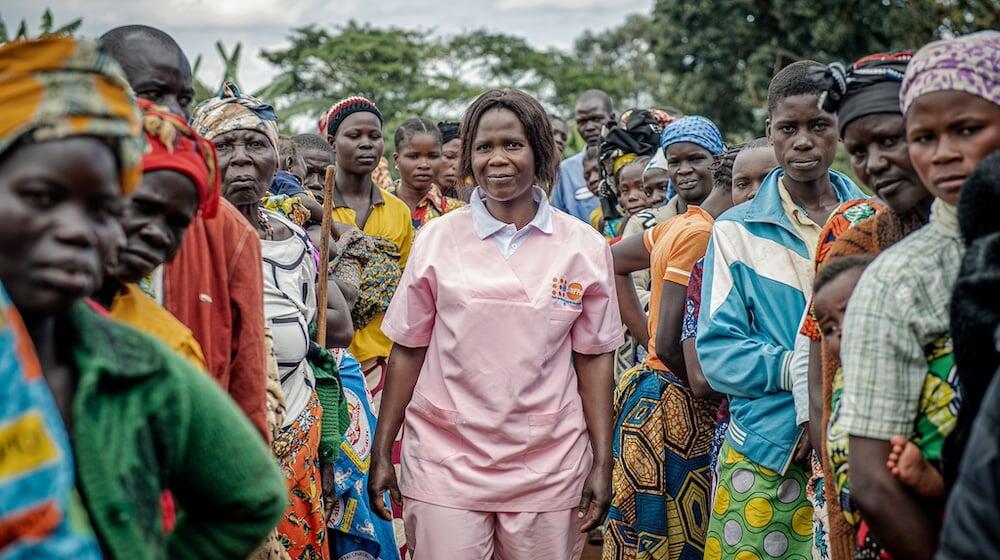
[[25, 445], [570, 293]]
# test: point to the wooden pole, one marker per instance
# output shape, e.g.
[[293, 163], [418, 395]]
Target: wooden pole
[[322, 292]]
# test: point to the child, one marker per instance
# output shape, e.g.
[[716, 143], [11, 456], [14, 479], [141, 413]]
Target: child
[[418, 159], [632, 194], [753, 163], [758, 274]]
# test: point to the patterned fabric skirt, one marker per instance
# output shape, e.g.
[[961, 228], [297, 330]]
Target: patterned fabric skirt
[[660, 476], [302, 530], [759, 513]]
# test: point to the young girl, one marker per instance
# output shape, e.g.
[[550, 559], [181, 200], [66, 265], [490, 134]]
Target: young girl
[[504, 324], [418, 158]]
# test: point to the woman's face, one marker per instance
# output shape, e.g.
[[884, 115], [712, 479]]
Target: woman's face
[[59, 204], [631, 195], [880, 160], [689, 166], [503, 162], [155, 219], [359, 143], [451, 156], [948, 133], [750, 168], [419, 161], [248, 162]]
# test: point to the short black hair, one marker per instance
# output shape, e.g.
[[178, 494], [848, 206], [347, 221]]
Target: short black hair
[[557, 118], [722, 168], [310, 141], [287, 147], [798, 78], [598, 95], [837, 266], [116, 42], [414, 126], [977, 207], [757, 143], [533, 118], [592, 152]]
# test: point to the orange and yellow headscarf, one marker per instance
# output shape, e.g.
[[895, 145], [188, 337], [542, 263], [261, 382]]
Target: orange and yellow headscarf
[[58, 87]]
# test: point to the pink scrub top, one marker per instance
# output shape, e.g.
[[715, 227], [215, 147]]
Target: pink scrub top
[[496, 421]]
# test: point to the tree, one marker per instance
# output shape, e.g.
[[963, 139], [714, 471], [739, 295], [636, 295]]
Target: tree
[[723, 54], [47, 27]]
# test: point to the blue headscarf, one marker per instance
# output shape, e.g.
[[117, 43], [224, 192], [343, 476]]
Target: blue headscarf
[[696, 130]]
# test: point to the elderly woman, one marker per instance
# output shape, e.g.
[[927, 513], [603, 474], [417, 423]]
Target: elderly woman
[[244, 131], [141, 418]]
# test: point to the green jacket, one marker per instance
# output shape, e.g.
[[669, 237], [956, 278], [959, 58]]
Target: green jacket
[[144, 421]]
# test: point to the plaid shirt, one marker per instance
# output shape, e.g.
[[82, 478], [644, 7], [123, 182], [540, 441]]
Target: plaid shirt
[[898, 310]]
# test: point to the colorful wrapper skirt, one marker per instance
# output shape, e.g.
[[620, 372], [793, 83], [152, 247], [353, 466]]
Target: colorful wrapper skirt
[[302, 529], [759, 514], [660, 476]]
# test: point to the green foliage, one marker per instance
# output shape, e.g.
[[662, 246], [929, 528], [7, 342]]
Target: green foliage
[[723, 54], [46, 27]]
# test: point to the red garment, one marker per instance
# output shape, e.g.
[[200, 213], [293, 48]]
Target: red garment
[[215, 286], [173, 145]]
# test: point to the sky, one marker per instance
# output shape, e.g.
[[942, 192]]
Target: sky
[[265, 24]]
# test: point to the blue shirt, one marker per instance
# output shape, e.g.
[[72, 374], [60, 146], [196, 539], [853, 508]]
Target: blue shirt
[[570, 193]]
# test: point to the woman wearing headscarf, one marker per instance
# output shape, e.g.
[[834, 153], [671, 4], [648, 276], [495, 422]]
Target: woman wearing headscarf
[[865, 97], [899, 378], [180, 179], [663, 433], [244, 131], [141, 418]]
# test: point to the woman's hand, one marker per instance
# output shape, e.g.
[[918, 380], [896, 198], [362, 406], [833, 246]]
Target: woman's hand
[[596, 498], [382, 478]]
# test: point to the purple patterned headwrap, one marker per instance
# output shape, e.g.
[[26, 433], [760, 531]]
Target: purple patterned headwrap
[[970, 64]]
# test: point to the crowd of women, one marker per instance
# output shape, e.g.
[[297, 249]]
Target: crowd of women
[[220, 342]]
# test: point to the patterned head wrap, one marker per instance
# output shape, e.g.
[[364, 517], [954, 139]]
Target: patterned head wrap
[[696, 130], [329, 124], [449, 131], [970, 64], [635, 134], [57, 87], [172, 144], [232, 110], [867, 87]]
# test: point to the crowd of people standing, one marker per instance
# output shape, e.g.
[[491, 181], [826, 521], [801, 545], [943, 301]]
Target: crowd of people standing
[[220, 342]]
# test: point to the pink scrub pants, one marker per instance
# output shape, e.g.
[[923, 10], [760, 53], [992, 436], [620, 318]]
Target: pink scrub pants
[[437, 532]]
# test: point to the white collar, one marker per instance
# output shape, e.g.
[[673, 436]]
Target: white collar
[[486, 225]]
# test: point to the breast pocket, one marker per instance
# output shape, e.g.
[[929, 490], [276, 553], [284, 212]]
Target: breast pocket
[[560, 327]]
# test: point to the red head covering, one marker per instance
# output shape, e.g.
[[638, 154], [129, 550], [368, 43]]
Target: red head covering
[[172, 144]]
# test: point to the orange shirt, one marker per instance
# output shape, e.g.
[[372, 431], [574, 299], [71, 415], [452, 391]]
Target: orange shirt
[[674, 246]]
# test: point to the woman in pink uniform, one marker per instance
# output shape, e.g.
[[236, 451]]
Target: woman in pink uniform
[[503, 324]]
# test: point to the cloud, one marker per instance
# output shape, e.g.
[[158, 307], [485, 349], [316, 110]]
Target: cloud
[[604, 6]]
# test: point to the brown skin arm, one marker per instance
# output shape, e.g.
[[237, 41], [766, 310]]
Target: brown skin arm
[[896, 516], [315, 208], [696, 377], [668, 328], [339, 327], [595, 379], [630, 255], [401, 378], [816, 394]]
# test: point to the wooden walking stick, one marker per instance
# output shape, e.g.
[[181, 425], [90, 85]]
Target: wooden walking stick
[[322, 293]]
